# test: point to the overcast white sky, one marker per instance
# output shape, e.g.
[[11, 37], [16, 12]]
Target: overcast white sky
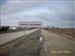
[[60, 13]]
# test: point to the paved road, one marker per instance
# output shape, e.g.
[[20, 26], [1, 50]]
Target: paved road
[[7, 37], [56, 45]]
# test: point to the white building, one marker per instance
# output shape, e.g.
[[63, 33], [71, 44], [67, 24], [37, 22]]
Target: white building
[[13, 27]]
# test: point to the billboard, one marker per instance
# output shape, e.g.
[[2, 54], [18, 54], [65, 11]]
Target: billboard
[[30, 24]]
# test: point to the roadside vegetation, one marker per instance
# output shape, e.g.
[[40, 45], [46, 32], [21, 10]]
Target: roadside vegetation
[[29, 45], [64, 31]]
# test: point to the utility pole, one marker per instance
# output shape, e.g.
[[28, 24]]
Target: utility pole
[[24, 31], [0, 18], [0, 22]]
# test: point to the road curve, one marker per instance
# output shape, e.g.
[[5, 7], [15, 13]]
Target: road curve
[[56, 45]]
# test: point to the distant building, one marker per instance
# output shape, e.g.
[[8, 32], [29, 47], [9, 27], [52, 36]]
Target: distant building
[[30, 24], [13, 27]]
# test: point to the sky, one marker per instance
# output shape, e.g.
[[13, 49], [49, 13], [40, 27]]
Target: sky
[[59, 13]]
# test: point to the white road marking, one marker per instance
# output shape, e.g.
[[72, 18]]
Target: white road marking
[[41, 39], [45, 47]]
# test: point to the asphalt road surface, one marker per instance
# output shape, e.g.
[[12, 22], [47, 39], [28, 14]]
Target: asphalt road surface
[[7, 37], [56, 45]]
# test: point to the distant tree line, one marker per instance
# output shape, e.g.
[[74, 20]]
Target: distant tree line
[[4, 28], [53, 27]]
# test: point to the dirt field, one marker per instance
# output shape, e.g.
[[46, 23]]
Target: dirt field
[[68, 32], [56, 45]]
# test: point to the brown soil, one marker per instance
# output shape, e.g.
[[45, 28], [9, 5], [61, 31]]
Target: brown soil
[[68, 32]]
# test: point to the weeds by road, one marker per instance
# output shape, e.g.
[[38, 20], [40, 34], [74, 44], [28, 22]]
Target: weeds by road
[[26, 46]]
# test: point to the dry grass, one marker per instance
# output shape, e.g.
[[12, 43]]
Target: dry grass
[[25, 46], [68, 32]]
